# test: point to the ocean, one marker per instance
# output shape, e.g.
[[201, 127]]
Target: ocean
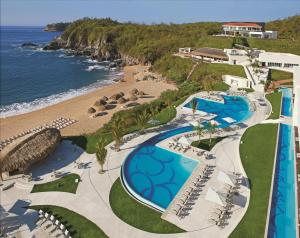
[[32, 78]]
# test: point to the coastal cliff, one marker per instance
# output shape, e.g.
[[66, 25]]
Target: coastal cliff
[[106, 39]]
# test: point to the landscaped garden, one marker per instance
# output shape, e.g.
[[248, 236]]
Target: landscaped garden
[[275, 100], [137, 214], [279, 75], [257, 151], [64, 184], [78, 226], [206, 144]]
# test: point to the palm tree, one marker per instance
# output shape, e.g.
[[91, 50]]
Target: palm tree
[[211, 128], [101, 152], [194, 105], [117, 131], [153, 110], [199, 130], [168, 97], [142, 119], [207, 85]]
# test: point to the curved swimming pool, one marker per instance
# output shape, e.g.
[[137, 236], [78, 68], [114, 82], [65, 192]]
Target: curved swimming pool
[[154, 175]]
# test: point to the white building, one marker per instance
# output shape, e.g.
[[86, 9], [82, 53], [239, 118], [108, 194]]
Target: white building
[[237, 82], [248, 29], [282, 61]]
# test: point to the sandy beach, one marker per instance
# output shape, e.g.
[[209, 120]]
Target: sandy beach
[[76, 108]]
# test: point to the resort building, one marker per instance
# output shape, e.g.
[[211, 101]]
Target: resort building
[[203, 54], [248, 29], [283, 61]]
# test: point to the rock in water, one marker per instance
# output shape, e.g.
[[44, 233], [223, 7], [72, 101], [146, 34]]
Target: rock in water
[[53, 45], [29, 45], [27, 150]]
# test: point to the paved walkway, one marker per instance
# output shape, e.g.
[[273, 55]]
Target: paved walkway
[[92, 197]]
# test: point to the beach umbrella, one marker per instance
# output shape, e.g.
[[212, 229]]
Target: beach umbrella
[[185, 141], [214, 123], [226, 178], [213, 196]]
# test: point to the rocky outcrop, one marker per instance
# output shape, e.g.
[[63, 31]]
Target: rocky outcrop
[[99, 50], [29, 45], [21, 154]]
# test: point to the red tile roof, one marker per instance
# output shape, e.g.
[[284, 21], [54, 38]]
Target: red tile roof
[[249, 24]]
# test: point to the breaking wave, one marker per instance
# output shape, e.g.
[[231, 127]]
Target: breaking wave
[[24, 107]]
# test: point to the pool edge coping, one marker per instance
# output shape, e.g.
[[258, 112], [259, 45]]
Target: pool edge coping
[[273, 173]]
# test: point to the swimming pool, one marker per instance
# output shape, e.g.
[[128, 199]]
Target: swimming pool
[[154, 175], [282, 219], [235, 107], [286, 105]]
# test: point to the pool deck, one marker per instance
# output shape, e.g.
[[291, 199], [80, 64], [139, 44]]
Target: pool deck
[[92, 197]]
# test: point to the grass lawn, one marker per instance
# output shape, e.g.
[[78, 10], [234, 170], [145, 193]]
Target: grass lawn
[[204, 144], [64, 184], [275, 100], [136, 214], [280, 75], [79, 226], [257, 154], [218, 70]]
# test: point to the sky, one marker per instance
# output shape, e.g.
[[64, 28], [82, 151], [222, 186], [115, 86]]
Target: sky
[[42, 12]]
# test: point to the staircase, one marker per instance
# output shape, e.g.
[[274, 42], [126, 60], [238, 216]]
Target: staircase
[[192, 70]]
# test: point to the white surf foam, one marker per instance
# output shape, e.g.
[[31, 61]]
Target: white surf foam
[[94, 67], [24, 107]]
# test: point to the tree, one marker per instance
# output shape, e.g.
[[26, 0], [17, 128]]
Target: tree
[[117, 131], [199, 130], [211, 128], [101, 152], [142, 119], [194, 105], [153, 110], [207, 85], [168, 97], [240, 42]]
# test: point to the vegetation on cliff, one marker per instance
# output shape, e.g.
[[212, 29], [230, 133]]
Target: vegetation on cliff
[[106, 38], [61, 26]]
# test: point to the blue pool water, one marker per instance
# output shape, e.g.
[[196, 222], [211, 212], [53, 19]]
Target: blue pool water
[[155, 175], [282, 221], [234, 106], [286, 106]]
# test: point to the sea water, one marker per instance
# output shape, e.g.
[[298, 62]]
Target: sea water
[[32, 78]]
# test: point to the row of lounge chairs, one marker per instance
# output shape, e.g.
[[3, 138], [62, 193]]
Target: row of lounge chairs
[[59, 123], [236, 93], [216, 98], [192, 192], [54, 227], [221, 214]]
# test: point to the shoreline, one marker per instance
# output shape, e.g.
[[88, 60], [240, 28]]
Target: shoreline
[[77, 107]]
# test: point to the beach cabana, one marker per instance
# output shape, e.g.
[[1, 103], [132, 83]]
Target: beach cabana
[[202, 113], [213, 196], [226, 178], [229, 119], [196, 123]]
